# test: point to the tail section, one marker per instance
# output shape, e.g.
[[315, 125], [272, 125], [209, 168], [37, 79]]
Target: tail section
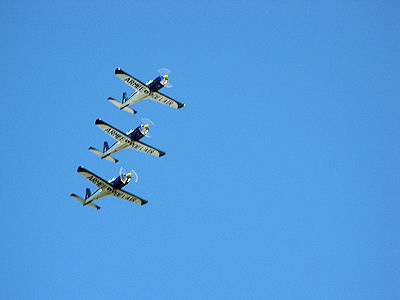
[[121, 104], [105, 147], [101, 154], [83, 201], [87, 193]]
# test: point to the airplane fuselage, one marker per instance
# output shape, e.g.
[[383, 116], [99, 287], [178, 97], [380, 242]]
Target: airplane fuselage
[[138, 133], [154, 85], [134, 135], [116, 183]]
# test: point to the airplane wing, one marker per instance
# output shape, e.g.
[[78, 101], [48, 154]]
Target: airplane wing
[[113, 132], [156, 96], [129, 197], [132, 82], [96, 180], [147, 149]]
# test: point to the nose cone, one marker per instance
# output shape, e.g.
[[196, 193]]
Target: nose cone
[[165, 77], [129, 175]]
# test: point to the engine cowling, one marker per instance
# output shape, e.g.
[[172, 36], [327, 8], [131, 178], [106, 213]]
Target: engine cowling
[[139, 132]]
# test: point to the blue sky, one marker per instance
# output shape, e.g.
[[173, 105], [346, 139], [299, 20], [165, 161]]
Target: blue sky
[[281, 178]]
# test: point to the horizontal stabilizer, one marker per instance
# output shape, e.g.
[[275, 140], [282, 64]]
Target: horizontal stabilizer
[[100, 154], [83, 201], [119, 105]]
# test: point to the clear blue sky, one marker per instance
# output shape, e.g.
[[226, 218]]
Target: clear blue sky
[[281, 178]]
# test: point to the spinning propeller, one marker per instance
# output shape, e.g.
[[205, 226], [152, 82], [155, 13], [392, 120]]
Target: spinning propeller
[[148, 122], [163, 72], [125, 176]]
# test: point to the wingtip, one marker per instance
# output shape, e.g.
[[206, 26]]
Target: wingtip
[[118, 71]]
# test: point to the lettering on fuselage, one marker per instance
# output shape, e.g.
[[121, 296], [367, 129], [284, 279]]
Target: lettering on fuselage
[[136, 85], [162, 99]]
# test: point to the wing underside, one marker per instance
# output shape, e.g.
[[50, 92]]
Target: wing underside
[[161, 98], [147, 149], [112, 131], [132, 82], [96, 180], [129, 197]]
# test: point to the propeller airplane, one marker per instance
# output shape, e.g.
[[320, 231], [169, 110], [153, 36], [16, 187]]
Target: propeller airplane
[[112, 187], [124, 140], [143, 91]]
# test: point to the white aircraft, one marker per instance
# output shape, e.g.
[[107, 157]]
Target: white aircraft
[[106, 188], [143, 91], [122, 141]]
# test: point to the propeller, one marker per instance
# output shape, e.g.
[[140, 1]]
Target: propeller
[[149, 122], [165, 71], [125, 176]]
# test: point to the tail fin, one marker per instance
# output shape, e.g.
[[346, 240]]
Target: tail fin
[[123, 97], [88, 193], [105, 147]]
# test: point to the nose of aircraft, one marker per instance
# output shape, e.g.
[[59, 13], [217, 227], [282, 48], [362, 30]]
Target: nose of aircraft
[[129, 175], [165, 77], [146, 126]]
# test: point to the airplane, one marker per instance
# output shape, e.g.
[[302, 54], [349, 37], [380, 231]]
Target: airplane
[[143, 91], [122, 141], [111, 187]]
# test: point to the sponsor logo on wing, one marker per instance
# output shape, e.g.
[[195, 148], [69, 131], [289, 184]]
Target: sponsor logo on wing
[[96, 181], [142, 148], [136, 85], [162, 99], [116, 135]]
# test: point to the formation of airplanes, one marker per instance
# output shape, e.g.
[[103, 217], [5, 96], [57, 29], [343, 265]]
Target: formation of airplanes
[[130, 139]]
